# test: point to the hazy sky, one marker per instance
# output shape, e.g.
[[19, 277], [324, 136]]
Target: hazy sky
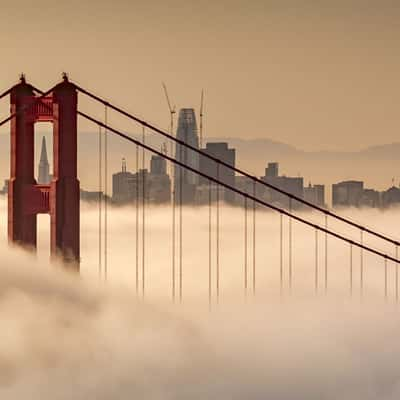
[[315, 74]]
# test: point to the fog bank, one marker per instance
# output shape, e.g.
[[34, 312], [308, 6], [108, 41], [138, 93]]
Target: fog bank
[[66, 337]]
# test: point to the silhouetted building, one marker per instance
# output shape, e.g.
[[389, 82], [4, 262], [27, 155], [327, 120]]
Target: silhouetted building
[[44, 167], [221, 151], [153, 186], [292, 185], [159, 181], [122, 190], [370, 198], [91, 197], [272, 170], [315, 194], [158, 165], [4, 190], [186, 181], [347, 193], [390, 197]]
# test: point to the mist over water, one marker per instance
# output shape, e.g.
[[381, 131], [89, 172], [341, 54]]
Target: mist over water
[[66, 337]]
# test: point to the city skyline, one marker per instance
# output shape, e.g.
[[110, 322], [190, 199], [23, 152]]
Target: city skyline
[[252, 156]]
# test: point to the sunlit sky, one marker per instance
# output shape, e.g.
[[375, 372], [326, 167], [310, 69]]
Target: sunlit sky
[[315, 74]]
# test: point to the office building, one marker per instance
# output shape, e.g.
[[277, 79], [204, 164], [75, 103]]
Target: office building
[[159, 181], [292, 185], [272, 170], [221, 151], [390, 197], [315, 194], [347, 193], [186, 181], [122, 190]]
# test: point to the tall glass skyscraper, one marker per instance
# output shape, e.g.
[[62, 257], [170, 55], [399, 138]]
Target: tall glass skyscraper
[[186, 181]]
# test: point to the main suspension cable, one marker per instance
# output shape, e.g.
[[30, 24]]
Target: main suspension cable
[[6, 93]]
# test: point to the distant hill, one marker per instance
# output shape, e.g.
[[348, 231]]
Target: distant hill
[[376, 165]]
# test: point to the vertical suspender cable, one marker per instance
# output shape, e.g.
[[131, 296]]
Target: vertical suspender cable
[[181, 171], [105, 195], [137, 219], [143, 211], [351, 269], [281, 253], [217, 235], [209, 245], [290, 246], [100, 201], [361, 264], [326, 254], [397, 275], [386, 279], [254, 239], [316, 261], [245, 248], [173, 204]]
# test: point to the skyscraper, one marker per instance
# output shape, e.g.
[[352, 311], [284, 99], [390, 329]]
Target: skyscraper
[[186, 181], [44, 168]]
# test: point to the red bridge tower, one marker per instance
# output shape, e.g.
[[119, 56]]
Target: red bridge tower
[[60, 199]]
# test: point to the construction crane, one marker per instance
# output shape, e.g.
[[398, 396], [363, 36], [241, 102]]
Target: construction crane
[[201, 118], [172, 110]]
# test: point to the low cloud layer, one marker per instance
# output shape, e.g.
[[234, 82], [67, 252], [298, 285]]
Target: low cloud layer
[[66, 337]]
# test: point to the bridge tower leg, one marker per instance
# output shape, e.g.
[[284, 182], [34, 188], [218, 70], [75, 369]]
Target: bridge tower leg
[[21, 224], [64, 192]]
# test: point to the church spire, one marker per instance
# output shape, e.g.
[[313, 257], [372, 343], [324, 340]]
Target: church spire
[[44, 168], [43, 153]]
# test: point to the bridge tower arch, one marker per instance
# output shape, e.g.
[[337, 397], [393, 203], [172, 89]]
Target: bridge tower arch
[[60, 198]]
